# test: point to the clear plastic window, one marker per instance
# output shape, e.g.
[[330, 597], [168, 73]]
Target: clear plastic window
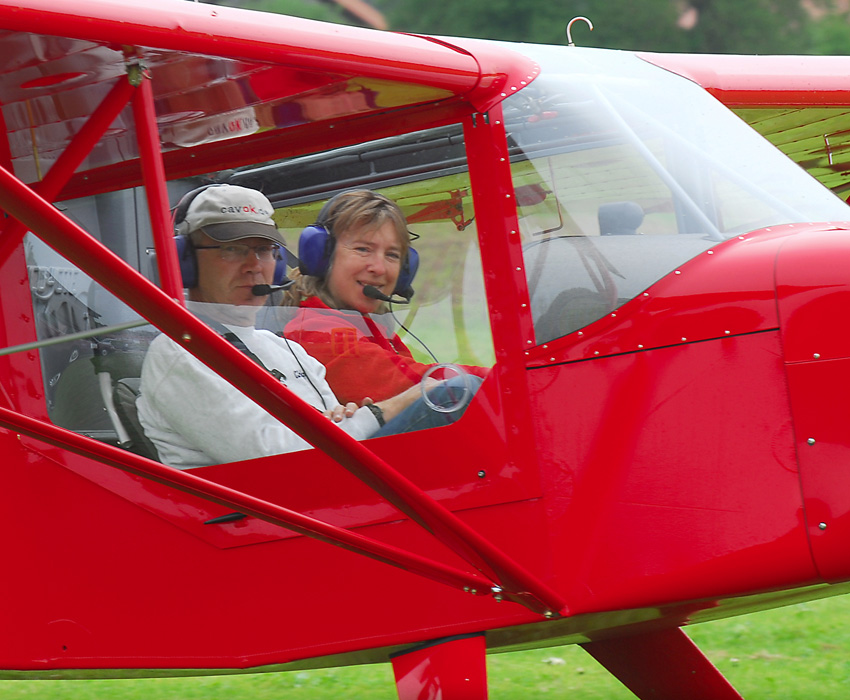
[[623, 172], [92, 346], [89, 343]]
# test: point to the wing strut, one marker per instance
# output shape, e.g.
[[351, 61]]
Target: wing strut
[[663, 665]]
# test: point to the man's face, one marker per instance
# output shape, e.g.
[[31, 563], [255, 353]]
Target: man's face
[[224, 282]]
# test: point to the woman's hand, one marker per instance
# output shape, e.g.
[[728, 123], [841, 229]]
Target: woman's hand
[[395, 405]]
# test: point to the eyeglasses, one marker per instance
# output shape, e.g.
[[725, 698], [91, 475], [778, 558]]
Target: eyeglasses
[[237, 252]]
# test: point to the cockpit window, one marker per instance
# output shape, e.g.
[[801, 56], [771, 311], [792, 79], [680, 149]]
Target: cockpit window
[[92, 346], [623, 171]]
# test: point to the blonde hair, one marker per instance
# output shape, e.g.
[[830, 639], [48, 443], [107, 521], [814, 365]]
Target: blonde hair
[[341, 213]]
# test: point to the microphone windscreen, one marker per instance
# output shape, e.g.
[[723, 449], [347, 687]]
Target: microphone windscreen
[[374, 293]]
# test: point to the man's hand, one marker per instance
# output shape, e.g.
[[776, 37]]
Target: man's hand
[[337, 413], [390, 407]]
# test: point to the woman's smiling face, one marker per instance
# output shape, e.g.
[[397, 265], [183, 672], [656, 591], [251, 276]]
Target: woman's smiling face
[[364, 255]]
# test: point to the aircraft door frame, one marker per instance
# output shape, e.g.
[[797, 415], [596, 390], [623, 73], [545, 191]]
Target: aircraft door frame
[[504, 273]]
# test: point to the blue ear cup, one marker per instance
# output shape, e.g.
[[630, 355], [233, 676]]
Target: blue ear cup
[[404, 283], [280, 271], [185, 249], [315, 249], [188, 261]]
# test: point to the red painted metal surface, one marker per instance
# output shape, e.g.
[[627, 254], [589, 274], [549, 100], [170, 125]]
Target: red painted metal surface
[[281, 73], [632, 513], [492, 185], [723, 292], [233, 33], [763, 80], [646, 510], [813, 287], [504, 279], [190, 483], [153, 173], [119, 278], [453, 668], [196, 337]]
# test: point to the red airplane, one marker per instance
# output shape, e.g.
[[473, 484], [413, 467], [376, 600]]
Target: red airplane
[[657, 290]]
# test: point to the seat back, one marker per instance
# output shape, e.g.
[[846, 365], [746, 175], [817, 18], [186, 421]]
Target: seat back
[[620, 218], [125, 393]]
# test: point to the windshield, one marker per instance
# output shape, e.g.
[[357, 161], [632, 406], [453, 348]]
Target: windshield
[[623, 171]]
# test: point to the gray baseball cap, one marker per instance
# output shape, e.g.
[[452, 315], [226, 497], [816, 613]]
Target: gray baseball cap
[[230, 212]]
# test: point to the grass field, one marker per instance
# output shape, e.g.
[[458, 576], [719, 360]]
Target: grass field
[[792, 653]]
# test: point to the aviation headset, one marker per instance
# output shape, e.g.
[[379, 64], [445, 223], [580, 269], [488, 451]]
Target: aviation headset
[[186, 250], [316, 247]]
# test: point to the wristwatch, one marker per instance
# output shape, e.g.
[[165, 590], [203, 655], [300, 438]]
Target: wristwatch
[[378, 412]]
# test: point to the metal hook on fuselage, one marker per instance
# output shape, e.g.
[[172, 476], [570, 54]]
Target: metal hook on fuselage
[[570, 41]]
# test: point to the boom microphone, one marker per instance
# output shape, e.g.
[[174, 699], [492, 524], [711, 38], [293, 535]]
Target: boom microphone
[[263, 290], [375, 293]]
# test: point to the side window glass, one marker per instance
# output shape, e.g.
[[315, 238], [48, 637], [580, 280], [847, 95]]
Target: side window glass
[[446, 319], [92, 346], [89, 340], [623, 172], [587, 255], [599, 219]]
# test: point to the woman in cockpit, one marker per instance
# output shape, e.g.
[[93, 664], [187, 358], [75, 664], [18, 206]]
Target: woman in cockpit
[[352, 262]]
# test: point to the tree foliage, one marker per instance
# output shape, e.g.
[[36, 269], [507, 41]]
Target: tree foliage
[[716, 26], [831, 35], [752, 27], [616, 23], [721, 26]]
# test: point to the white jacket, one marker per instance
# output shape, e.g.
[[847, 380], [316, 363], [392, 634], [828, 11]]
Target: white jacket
[[195, 418]]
